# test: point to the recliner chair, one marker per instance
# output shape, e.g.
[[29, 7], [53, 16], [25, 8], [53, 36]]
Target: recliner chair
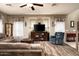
[[58, 38]]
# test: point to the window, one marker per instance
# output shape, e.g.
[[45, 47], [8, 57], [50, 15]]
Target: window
[[1, 27], [59, 27], [46, 22], [18, 29], [33, 22]]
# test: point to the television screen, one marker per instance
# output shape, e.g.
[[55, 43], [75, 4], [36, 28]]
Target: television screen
[[39, 27]]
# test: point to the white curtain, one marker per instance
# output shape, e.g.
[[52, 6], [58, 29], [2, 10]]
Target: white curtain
[[59, 26], [46, 22], [1, 26], [18, 29], [33, 23]]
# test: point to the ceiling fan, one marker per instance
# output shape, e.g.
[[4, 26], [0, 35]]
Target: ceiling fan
[[32, 5]]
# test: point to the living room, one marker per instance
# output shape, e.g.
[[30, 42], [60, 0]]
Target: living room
[[35, 23]]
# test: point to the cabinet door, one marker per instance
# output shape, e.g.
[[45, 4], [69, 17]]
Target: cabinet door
[[78, 26], [8, 29]]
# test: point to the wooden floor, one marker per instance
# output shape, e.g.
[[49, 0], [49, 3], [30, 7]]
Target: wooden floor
[[62, 50]]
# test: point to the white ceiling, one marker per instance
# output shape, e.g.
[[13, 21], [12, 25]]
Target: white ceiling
[[60, 8]]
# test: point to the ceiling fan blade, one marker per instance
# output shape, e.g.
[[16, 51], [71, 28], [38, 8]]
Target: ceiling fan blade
[[23, 5], [36, 4], [32, 8]]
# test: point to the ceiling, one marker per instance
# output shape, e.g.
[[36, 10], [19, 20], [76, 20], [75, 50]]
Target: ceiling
[[59, 8]]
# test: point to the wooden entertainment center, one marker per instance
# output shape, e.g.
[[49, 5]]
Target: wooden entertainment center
[[39, 36]]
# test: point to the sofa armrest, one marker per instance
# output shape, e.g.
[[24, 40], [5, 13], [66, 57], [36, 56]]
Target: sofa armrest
[[53, 37]]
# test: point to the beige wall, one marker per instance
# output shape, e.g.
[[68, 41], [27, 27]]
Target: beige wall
[[41, 18], [28, 20], [4, 18], [74, 16]]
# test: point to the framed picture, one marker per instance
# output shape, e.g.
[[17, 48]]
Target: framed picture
[[71, 24]]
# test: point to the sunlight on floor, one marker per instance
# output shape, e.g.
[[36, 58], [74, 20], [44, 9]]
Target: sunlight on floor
[[72, 44]]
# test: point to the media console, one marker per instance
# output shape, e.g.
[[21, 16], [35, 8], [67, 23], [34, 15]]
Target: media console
[[70, 37], [39, 36]]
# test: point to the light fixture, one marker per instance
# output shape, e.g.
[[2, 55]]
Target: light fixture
[[25, 24], [9, 4], [72, 24], [29, 5]]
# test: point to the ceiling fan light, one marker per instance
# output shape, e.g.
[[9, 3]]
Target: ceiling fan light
[[29, 5]]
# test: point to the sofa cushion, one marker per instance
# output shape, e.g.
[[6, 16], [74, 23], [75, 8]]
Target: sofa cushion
[[35, 46], [14, 45]]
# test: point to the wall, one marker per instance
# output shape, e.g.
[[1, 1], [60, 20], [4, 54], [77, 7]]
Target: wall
[[28, 20], [31, 19], [38, 18], [74, 16], [4, 18]]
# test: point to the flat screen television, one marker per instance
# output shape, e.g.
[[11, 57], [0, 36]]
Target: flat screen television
[[39, 27]]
